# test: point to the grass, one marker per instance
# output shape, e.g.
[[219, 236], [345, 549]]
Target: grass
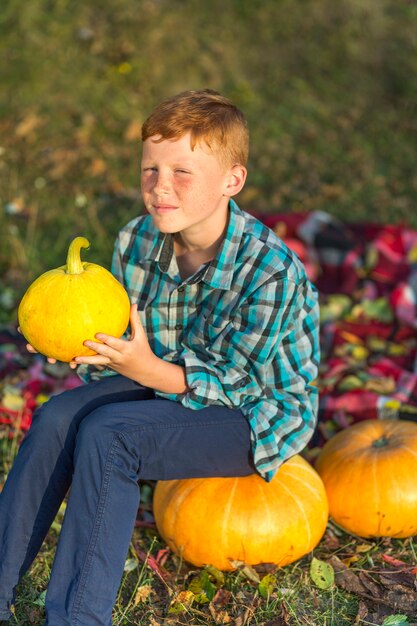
[[143, 599]]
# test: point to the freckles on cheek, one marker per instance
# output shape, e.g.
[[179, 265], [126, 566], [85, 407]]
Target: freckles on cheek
[[183, 184], [145, 184]]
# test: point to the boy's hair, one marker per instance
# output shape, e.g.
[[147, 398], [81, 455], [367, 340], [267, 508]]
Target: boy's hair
[[209, 117]]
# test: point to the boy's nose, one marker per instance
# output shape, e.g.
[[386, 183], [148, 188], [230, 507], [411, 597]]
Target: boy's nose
[[161, 184]]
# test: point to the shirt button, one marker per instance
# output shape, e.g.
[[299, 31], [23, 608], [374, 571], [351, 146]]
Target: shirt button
[[178, 326]]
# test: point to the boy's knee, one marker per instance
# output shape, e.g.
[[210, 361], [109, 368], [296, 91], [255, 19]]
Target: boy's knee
[[99, 425], [104, 427], [53, 418]]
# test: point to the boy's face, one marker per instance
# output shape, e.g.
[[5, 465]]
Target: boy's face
[[183, 189]]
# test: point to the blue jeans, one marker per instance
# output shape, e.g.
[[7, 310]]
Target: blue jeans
[[99, 440]]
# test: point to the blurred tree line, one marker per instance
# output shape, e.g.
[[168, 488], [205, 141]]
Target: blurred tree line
[[329, 89]]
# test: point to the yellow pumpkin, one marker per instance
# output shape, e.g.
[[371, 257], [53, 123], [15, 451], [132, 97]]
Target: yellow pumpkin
[[68, 305], [215, 521], [369, 471]]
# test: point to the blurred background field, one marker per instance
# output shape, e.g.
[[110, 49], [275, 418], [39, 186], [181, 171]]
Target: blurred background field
[[329, 90]]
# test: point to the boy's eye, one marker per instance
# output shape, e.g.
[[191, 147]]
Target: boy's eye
[[149, 169], [181, 171]]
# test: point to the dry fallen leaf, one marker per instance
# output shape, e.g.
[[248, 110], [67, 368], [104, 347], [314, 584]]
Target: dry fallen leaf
[[346, 578], [142, 594], [362, 612], [181, 603]]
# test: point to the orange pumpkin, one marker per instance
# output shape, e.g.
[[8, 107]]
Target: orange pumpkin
[[369, 471], [217, 521], [68, 305]]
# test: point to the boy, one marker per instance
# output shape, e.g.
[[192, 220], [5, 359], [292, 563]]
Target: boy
[[215, 380]]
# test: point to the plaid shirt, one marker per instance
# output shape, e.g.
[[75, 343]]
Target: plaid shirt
[[244, 326]]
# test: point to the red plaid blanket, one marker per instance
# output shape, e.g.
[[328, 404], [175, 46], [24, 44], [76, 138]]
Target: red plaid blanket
[[366, 275]]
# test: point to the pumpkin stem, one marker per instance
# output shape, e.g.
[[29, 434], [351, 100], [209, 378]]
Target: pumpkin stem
[[382, 442], [74, 264]]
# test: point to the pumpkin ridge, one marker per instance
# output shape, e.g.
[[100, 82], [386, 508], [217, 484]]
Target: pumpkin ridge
[[173, 523], [227, 512], [394, 490], [267, 508], [183, 494], [397, 428], [410, 451], [336, 476], [394, 482], [336, 462], [315, 491], [363, 433], [300, 508], [377, 496], [296, 464]]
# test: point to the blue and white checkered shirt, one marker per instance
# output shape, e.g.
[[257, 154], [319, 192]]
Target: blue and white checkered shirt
[[245, 327]]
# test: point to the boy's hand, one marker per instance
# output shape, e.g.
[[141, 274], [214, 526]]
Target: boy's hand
[[32, 350], [131, 358]]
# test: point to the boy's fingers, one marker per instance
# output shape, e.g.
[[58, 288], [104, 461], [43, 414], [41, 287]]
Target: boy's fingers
[[105, 340], [92, 360], [135, 321]]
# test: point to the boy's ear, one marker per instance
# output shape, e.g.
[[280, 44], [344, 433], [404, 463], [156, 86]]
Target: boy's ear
[[235, 181]]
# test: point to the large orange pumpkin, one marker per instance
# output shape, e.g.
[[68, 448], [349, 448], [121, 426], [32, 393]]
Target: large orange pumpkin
[[217, 521], [70, 304], [369, 471]]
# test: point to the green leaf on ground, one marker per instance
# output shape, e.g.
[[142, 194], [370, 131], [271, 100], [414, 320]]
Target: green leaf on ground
[[321, 573], [396, 620], [267, 585], [202, 588]]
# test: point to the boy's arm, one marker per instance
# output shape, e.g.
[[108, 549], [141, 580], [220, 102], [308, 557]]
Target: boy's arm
[[134, 359]]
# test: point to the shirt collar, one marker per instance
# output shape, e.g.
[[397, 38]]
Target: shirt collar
[[161, 249], [219, 274], [165, 253]]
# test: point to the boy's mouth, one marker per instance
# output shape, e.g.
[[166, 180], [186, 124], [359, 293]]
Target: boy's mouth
[[164, 208]]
